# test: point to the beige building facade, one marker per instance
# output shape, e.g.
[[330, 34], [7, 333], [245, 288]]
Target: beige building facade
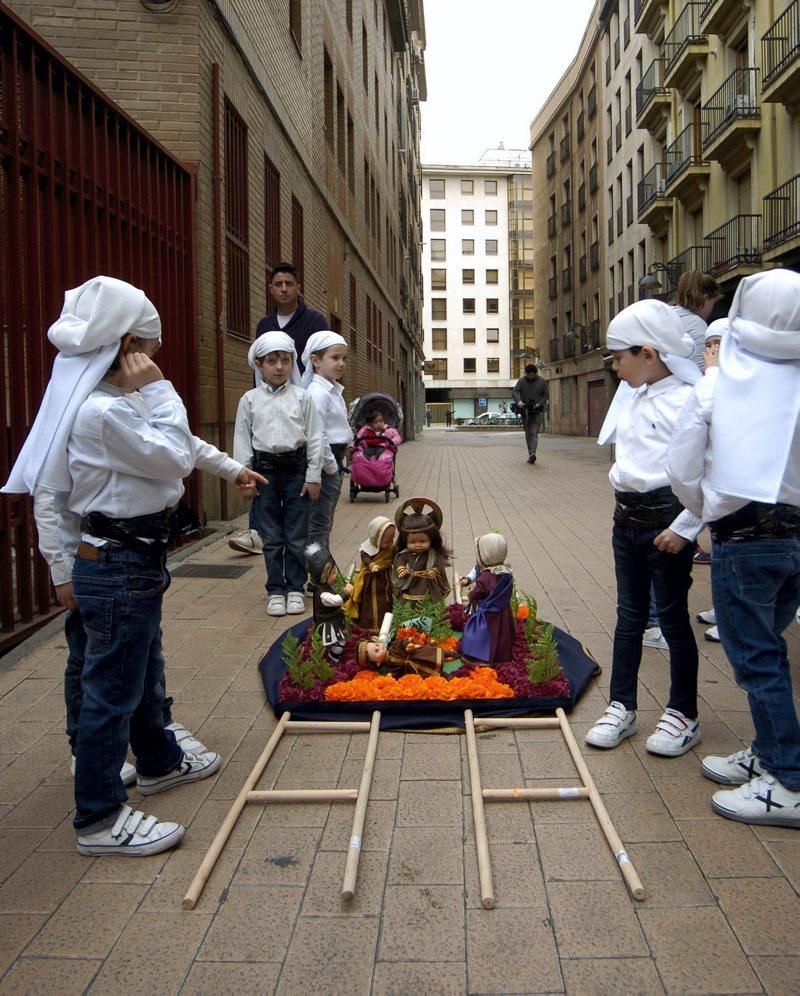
[[301, 119]]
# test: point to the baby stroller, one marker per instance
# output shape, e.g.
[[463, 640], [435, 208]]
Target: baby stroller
[[373, 459]]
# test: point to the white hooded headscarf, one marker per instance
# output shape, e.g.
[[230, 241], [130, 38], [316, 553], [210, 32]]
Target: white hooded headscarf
[[94, 319], [317, 342], [273, 342], [491, 551], [757, 398], [648, 323], [376, 530]]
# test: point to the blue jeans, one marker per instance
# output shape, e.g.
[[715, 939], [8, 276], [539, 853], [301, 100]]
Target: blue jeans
[[638, 565], [652, 610], [73, 694], [281, 516], [119, 596], [320, 513], [756, 589]]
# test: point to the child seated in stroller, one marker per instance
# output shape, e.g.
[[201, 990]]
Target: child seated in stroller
[[375, 419], [375, 426]]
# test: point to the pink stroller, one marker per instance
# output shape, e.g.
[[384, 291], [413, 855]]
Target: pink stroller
[[375, 449]]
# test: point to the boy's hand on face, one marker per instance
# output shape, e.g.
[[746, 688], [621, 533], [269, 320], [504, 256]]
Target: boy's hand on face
[[247, 482], [711, 355], [138, 369], [669, 542], [312, 490]]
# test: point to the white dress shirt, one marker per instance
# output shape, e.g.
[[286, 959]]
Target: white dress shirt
[[328, 397], [690, 458], [279, 421], [644, 431]]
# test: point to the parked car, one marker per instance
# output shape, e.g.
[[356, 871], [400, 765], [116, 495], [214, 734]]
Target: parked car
[[492, 418]]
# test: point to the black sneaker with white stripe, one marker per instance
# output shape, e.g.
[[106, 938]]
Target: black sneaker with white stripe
[[132, 835], [192, 768]]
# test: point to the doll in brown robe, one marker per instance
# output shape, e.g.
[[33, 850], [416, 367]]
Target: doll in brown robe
[[420, 565], [370, 594], [403, 657]]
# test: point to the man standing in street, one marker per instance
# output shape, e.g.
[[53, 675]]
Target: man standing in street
[[531, 395], [294, 317]]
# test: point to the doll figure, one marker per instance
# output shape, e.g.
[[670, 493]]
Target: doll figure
[[420, 565], [489, 630], [329, 618], [370, 594], [403, 657]]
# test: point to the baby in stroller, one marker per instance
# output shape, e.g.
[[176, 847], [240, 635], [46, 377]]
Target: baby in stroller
[[375, 419]]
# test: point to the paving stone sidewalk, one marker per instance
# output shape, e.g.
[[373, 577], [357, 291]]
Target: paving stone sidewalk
[[722, 913]]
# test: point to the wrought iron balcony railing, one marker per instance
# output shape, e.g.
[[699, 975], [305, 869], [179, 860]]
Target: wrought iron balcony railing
[[782, 214], [650, 85], [685, 151], [780, 44], [652, 185], [736, 243], [736, 98], [684, 32]]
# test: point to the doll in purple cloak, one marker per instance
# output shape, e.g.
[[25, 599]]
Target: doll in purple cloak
[[489, 630]]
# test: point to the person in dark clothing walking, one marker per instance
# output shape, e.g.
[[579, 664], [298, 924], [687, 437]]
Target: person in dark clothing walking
[[531, 395], [294, 317]]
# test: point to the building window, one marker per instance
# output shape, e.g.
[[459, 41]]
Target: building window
[[492, 305], [492, 276], [341, 136], [272, 218], [493, 335], [438, 279], [469, 365], [468, 247], [436, 189], [349, 17], [490, 187], [364, 58], [297, 239], [296, 23], [327, 89], [351, 341], [437, 219], [439, 338], [468, 217], [351, 154], [493, 365], [491, 247], [467, 186], [491, 217], [468, 305], [237, 216], [437, 369], [439, 309], [467, 276], [438, 250], [469, 335]]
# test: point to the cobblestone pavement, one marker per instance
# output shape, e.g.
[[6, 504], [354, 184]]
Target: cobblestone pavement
[[722, 913]]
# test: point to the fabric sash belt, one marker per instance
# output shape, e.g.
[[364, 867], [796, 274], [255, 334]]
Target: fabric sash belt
[[288, 462], [755, 521], [132, 533], [646, 510]]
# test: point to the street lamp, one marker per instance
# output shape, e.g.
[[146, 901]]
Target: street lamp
[[650, 284]]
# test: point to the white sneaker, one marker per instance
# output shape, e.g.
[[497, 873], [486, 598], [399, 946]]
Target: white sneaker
[[736, 769], [709, 617], [192, 768], [675, 735], [712, 635], [132, 835], [247, 542], [187, 742], [127, 772], [615, 725], [295, 603], [763, 801], [652, 638], [276, 605]]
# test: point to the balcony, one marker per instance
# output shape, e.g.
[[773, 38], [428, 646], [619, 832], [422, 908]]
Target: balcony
[[619, 220], [611, 310], [609, 150], [569, 346], [629, 210], [566, 279], [780, 58], [782, 219], [580, 126], [552, 226], [653, 100], [552, 288], [685, 48], [593, 334], [735, 247], [582, 197], [618, 135], [591, 101], [693, 258], [564, 148], [550, 164], [731, 117], [554, 351], [566, 213], [630, 294], [594, 255], [654, 207], [582, 268], [719, 16], [610, 226], [687, 170], [593, 179], [648, 15]]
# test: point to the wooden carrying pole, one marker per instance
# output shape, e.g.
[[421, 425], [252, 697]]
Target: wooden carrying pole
[[354, 850], [249, 793], [588, 790]]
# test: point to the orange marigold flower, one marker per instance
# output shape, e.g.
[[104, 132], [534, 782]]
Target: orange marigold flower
[[523, 611], [369, 686]]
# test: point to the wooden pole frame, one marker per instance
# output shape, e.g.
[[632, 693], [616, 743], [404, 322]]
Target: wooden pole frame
[[249, 793], [588, 790]]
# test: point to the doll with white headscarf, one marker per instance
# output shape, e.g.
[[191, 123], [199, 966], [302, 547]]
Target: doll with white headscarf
[[370, 594], [489, 630]]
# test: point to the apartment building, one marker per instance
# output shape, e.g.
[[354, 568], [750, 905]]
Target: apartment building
[[478, 278], [301, 122]]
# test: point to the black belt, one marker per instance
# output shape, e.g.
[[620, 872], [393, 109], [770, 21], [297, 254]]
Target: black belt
[[291, 460], [132, 533], [656, 509], [756, 521]]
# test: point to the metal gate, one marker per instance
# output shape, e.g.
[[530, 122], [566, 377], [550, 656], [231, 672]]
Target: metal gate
[[83, 190]]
